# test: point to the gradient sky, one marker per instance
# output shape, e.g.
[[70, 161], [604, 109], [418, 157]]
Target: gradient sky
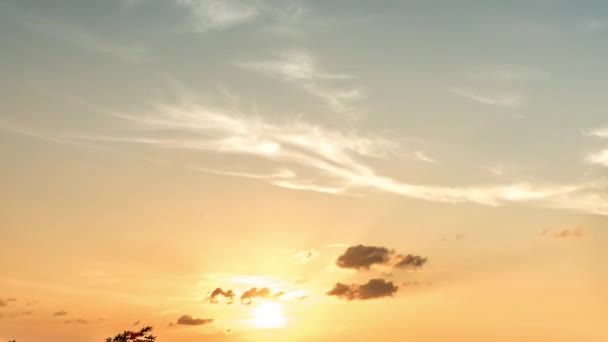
[[155, 150]]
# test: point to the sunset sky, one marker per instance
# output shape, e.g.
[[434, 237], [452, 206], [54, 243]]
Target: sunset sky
[[294, 170]]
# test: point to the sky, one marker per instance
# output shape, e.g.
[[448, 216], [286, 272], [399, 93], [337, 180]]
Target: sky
[[299, 170]]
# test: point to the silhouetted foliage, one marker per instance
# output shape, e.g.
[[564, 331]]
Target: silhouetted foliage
[[144, 335]]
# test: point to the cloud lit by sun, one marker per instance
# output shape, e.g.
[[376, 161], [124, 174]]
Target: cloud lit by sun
[[303, 171]]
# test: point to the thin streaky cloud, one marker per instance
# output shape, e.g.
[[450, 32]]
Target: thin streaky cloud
[[219, 15], [296, 65], [599, 133], [80, 37], [302, 70], [277, 175], [497, 170], [290, 184], [491, 98], [598, 158], [320, 159], [423, 156], [510, 73], [330, 158], [207, 16]]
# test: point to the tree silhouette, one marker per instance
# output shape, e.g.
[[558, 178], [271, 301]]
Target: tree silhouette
[[144, 335]]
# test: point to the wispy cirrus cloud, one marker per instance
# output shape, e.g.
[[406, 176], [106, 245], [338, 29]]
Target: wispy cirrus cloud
[[487, 85], [79, 36], [423, 156], [302, 70], [314, 158], [600, 157], [510, 73], [218, 15], [490, 97], [599, 133]]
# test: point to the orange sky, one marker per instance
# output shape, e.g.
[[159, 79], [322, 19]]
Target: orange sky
[[302, 170]]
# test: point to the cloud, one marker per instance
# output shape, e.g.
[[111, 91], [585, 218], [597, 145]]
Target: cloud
[[363, 257], [246, 297], [219, 15], [60, 313], [189, 320], [136, 323], [301, 70], [601, 157], [80, 37], [219, 292], [254, 292], [3, 303], [306, 256], [600, 133], [422, 156], [575, 233], [510, 73], [314, 158], [77, 321], [374, 288], [491, 98], [598, 158], [408, 261], [206, 16]]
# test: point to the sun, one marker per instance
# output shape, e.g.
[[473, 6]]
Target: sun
[[269, 315]]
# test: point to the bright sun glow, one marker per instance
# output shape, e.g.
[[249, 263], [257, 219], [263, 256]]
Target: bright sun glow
[[269, 315]]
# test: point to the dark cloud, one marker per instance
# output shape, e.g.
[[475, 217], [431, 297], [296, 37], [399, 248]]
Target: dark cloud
[[3, 303], [136, 323], [375, 288], [189, 320], [358, 257], [11, 299], [405, 261], [575, 233], [60, 313], [219, 292], [363, 257], [306, 256], [247, 296], [255, 292]]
